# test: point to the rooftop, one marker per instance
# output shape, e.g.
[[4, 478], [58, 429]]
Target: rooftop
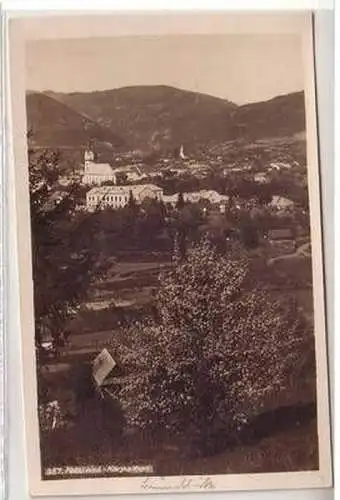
[[98, 169], [103, 190], [136, 189], [281, 200]]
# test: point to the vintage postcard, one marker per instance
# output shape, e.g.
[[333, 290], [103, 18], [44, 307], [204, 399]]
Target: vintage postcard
[[170, 246]]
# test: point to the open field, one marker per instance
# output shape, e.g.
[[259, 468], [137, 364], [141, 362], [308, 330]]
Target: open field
[[127, 293]]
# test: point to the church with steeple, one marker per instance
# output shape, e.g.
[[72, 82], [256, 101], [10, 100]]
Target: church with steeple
[[97, 173]]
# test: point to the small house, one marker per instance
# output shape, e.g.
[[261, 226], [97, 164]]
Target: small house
[[261, 177]]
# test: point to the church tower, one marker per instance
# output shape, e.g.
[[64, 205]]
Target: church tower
[[88, 158]]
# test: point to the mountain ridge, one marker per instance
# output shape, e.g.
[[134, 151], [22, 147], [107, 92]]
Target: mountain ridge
[[160, 117], [54, 124]]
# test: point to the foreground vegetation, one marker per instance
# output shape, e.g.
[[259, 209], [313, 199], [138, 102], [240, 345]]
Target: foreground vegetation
[[222, 369], [208, 345]]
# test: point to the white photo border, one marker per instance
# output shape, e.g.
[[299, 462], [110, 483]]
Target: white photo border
[[156, 23]]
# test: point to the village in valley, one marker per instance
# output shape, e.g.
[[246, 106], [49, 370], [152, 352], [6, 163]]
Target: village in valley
[[108, 228], [171, 257], [114, 196], [275, 190], [260, 203]]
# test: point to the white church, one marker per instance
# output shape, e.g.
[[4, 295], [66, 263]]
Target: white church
[[97, 173]]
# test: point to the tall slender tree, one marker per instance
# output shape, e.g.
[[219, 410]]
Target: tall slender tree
[[180, 201], [66, 256]]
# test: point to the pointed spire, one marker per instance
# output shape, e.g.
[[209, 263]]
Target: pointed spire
[[181, 153]]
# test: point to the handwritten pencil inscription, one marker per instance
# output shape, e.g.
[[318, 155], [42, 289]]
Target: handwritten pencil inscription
[[175, 484]]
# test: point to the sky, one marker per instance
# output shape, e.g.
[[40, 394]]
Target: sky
[[240, 68]]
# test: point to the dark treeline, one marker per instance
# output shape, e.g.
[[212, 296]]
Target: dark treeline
[[153, 226]]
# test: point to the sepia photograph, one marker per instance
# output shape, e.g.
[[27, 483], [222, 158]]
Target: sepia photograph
[[176, 331]]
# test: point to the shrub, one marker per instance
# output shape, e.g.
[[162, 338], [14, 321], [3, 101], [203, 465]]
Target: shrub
[[219, 355]]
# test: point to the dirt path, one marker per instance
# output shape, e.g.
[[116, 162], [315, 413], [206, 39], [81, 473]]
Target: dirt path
[[302, 251]]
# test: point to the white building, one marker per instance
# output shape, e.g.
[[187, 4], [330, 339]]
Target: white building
[[196, 196], [281, 203], [213, 196], [261, 177], [170, 199], [279, 165], [135, 176], [97, 173], [141, 192], [205, 194], [118, 196], [106, 196]]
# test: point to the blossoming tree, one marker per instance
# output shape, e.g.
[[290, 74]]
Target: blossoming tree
[[221, 354]]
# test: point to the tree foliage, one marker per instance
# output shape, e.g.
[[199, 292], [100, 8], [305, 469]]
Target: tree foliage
[[180, 201], [65, 252], [219, 354]]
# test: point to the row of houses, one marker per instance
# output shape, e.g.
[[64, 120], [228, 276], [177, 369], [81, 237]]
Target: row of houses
[[196, 196], [99, 173], [118, 196], [262, 176]]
